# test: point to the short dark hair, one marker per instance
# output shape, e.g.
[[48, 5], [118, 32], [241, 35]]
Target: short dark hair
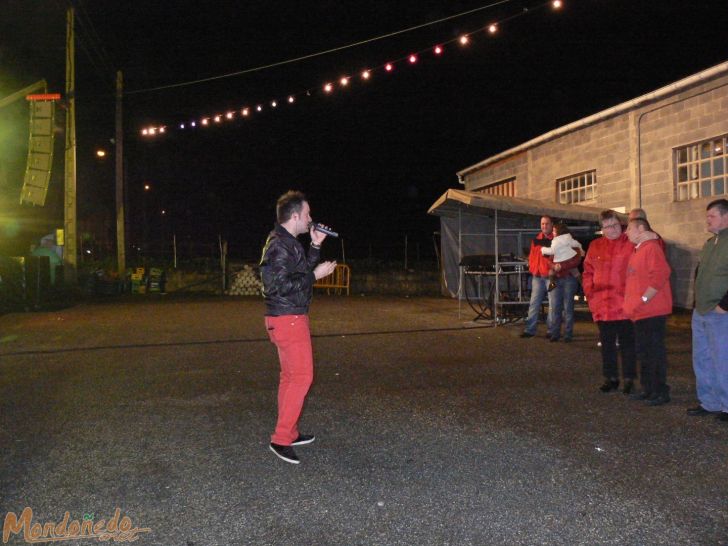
[[722, 205], [639, 213], [547, 216], [608, 214], [289, 203], [561, 228], [642, 222]]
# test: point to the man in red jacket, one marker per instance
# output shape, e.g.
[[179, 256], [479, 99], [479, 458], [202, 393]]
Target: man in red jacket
[[647, 303], [603, 280], [539, 266]]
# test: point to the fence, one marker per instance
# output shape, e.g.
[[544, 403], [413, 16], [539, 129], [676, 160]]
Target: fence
[[338, 281]]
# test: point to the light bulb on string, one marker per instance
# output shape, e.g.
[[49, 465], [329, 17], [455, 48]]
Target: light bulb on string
[[329, 87]]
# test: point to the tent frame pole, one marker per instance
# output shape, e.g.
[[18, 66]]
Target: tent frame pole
[[496, 296], [460, 259]]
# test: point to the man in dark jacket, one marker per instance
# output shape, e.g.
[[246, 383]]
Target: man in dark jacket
[[710, 317], [288, 275]]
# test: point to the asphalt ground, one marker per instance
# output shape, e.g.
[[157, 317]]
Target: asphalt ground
[[428, 430]]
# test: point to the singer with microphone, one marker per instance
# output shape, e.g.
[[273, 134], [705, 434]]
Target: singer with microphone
[[288, 273]]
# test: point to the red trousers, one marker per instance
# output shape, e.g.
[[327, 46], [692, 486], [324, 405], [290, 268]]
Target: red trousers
[[292, 338]]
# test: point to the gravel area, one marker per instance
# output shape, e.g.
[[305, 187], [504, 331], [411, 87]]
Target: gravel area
[[429, 430]]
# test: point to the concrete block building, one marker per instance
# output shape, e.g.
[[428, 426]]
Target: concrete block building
[[664, 152]]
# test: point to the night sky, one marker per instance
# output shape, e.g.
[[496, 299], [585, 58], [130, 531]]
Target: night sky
[[372, 157]]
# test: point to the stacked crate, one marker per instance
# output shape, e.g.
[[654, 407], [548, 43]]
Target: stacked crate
[[245, 282], [138, 281], [156, 279]]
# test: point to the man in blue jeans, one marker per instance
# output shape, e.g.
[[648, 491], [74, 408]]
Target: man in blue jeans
[[539, 265], [710, 317]]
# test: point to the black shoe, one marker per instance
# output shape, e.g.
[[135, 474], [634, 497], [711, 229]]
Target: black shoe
[[568, 339], [658, 400], [628, 386], [526, 334], [723, 416], [285, 452], [609, 385], [699, 411], [640, 396], [303, 439]]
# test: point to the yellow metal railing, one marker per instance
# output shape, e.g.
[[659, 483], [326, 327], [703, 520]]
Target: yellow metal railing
[[338, 281]]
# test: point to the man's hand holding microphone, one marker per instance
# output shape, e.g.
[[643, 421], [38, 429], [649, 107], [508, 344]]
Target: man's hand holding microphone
[[324, 269]]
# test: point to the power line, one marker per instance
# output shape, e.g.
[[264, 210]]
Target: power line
[[92, 38], [89, 42], [318, 54]]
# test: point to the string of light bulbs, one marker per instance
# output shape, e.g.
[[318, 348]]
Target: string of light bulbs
[[328, 88]]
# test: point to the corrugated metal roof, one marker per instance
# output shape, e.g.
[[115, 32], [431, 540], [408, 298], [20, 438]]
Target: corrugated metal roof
[[455, 201]]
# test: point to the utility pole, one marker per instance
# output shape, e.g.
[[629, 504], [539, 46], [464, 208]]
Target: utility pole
[[70, 254], [120, 212]]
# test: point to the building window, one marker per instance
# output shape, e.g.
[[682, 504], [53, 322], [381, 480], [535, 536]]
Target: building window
[[700, 169], [577, 188], [503, 187]]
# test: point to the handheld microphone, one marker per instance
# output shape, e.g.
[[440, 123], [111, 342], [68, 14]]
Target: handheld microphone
[[324, 229]]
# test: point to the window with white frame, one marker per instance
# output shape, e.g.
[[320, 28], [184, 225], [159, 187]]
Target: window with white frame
[[577, 188], [700, 169]]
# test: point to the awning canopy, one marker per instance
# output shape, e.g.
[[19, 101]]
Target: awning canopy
[[455, 201]]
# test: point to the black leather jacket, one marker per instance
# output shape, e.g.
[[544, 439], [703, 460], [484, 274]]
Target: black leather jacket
[[287, 274]]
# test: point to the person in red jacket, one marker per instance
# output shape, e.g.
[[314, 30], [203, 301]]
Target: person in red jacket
[[539, 266], [640, 213], [603, 280], [647, 303]]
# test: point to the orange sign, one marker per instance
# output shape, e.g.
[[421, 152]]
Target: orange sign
[[44, 96]]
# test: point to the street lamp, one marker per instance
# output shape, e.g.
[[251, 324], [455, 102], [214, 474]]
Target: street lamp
[[163, 234]]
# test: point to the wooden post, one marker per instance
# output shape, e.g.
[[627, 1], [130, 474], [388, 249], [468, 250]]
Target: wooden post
[[70, 252], [120, 212]]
